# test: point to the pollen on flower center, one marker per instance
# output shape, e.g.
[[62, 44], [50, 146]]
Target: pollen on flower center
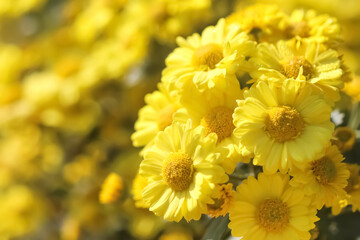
[[273, 215], [300, 29], [165, 117], [178, 171], [283, 123], [324, 170], [292, 67], [219, 120], [209, 55]]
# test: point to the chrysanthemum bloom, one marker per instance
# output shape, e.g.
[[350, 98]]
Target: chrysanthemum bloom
[[210, 59], [269, 208], [223, 196], [311, 26], [182, 170], [261, 21], [309, 61], [139, 183], [112, 189], [323, 178], [213, 110], [154, 117], [352, 191], [283, 124], [345, 138]]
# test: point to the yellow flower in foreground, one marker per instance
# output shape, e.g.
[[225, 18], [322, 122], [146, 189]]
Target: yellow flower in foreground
[[182, 169], [269, 208], [283, 125], [112, 189], [210, 59], [323, 178], [223, 196], [154, 117], [309, 61], [212, 110]]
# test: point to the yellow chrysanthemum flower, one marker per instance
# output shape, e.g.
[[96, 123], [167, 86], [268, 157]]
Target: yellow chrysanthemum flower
[[213, 111], [323, 178], [139, 183], [309, 25], [352, 191], [309, 61], [154, 117], [223, 197], [261, 21], [182, 169], [210, 59], [111, 189], [269, 208], [282, 125]]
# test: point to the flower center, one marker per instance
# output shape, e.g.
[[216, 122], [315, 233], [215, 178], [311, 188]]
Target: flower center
[[208, 55], [219, 120], [300, 29], [178, 171], [273, 215], [283, 123], [292, 68], [324, 170], [165, 117]]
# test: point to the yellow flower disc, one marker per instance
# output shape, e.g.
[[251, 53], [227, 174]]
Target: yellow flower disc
[[209, 55], [283, 123], [219, 120], [273, 215], [292, 67], [178, 171], [324, 170]]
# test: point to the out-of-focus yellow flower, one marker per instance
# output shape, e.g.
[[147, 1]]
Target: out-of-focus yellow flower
[[139, 183], [353, 88], [284, 126], [345, 138], [260, 21], [176, 235], [324, 178], [16, 8], [112, 189], [22, 211], [312, 26], [269, 208], [167, 19], [223, 197], [70, 229], [81, 167]]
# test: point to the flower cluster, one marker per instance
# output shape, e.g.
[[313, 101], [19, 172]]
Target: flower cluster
[[257, 89]]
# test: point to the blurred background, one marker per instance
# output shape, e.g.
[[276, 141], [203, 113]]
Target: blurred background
[[73, 75]]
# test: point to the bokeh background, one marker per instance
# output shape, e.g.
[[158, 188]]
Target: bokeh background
[[73, 75]]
